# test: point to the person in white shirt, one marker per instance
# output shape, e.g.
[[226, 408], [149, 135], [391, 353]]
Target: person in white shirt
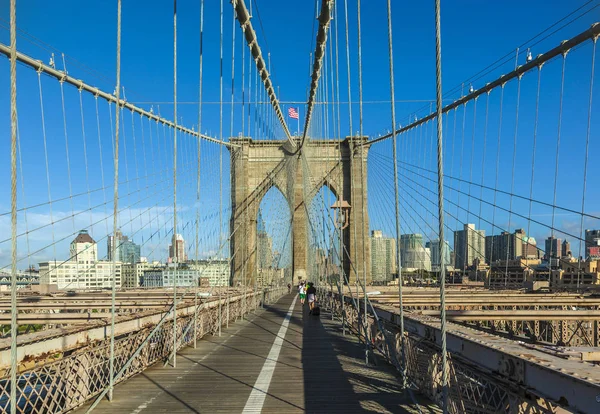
[[302, 292]]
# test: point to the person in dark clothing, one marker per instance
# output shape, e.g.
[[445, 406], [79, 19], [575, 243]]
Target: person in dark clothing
[[311, 294]]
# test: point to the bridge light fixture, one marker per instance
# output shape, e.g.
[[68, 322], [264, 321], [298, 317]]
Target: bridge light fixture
[[341, 213], [529, 57]]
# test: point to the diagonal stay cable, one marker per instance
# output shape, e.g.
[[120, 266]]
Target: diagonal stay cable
[[250, 35], [324, 20]]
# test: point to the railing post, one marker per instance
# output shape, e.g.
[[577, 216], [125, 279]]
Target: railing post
[[220, 313]]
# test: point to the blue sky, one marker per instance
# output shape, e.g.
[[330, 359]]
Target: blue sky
[[475, 34]]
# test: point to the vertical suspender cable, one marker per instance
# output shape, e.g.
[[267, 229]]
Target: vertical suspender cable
[[344, 278], [243, 86], [585, 164], [512, 180], [198, 168], [440, 160], [245, 220], [115, 210], [533, 150], [221, 157], [351, 148], [175, 248], [13, 204], [362, 184], [560, 113], [396, 190], [231, 122]]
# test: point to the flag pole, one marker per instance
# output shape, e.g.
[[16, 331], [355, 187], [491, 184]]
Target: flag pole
[[298, 121]]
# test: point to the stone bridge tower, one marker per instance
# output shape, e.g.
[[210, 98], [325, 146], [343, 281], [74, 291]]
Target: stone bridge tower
[[256, 166]]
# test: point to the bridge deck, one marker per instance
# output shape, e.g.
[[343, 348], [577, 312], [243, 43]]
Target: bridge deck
[[316, 370]]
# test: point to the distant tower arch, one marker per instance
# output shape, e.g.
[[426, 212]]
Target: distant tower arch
[[256, 166]]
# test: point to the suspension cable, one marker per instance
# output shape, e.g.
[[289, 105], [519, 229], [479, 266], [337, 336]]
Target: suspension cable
[[587, 146], [176, 250], [362, 177], [324, 20], [198, 161], [558, 136], [438, 75], [13, 216], [115, 210], [249, 33], [590, 33], [533, 150], [396, 191]]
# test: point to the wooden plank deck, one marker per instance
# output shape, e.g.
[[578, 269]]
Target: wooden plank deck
[[318, 370]]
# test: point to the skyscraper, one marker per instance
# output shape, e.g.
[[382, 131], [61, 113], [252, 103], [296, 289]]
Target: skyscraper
[[469, 244], [565, 248], [126, 250], [383, 257], [552, 248], [413, 254], [177, 249], [436, 256], [504, 246], [530, 249]]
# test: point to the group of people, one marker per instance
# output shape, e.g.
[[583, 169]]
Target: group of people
[[307, 290]]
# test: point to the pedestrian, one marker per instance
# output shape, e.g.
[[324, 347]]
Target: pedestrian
[[302, 293], [289, 288], [312, 296]]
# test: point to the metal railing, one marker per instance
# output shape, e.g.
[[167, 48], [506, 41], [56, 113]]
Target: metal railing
[[487, 373], [68, 380]]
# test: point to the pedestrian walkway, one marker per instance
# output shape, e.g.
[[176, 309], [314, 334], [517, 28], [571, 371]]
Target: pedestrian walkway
[[278, 360]]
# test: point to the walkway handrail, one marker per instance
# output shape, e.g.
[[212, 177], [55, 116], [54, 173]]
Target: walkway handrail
[[141, 347], [501, 366]]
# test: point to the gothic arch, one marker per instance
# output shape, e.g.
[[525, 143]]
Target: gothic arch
[[257, 166]]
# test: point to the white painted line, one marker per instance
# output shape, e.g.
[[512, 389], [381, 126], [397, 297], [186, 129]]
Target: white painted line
[[257, 397], [145, 404]]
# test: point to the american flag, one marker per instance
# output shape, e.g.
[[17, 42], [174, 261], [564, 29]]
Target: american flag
[[292, 113]]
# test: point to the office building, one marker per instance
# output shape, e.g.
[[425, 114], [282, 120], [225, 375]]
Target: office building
[[152, 278], [592, 244], [133, 272], [177, 252], [566, 249], [504, 246], [82, 270], [412, 253], [179, 276], [511, 274], [383, 257], [216, 271], [530, 249], [126, 250], [572, 272], [469, 244], [436, 254], [552, 248]]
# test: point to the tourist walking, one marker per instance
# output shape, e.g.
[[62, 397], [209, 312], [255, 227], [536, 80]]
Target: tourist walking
[[302, 293], [312, 296]]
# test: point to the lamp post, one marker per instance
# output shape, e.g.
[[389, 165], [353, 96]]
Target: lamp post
[[341, 215]]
